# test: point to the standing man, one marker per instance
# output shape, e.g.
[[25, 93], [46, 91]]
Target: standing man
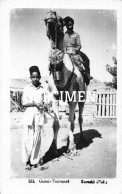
[[72, 46], [33, 98]]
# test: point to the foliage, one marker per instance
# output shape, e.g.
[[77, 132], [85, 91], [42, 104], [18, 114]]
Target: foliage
[[113, 71]]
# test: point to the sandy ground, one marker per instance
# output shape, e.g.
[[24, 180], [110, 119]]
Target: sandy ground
[[96, 157]]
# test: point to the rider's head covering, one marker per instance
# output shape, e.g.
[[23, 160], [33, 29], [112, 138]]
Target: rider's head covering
[[34, 69], [68, 19]]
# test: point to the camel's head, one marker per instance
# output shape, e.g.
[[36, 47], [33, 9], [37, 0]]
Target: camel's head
[[54, 25]]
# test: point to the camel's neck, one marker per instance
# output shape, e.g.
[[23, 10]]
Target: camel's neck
[[58, 43]]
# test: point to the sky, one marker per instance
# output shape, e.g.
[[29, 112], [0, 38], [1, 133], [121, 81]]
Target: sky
[[29, 44]]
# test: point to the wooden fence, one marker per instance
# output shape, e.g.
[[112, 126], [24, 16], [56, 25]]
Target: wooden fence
[[106, 104]]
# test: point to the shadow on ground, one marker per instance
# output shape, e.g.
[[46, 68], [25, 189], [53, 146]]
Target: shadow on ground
[[88, 135]]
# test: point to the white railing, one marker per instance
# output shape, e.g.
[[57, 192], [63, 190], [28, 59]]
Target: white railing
[[106, 104]]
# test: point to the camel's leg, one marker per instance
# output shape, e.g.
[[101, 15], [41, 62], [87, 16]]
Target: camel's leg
[[56, 126], [80, 118], [72, 106]]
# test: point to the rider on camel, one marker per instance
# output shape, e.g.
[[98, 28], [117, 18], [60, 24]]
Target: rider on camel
[[72, 46]]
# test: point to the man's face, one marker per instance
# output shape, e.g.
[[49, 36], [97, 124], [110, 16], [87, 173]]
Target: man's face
[[70, 26], [35, 77]]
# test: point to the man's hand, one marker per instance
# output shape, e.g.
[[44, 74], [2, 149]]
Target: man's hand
[[46, 106], [38, 106], [43, 107], [70, 50]]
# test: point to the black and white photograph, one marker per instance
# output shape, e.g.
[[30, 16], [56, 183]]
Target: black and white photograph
[[62, 120]]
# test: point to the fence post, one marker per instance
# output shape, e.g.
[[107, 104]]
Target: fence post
[[114, 105], [103, 105], [107, 105], [99, 113]]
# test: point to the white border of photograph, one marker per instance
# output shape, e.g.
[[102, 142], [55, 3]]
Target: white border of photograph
[[19, 186]]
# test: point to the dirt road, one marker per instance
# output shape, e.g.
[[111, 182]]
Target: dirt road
[[96, 157]]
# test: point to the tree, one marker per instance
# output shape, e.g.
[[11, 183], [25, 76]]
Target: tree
[[113, 71]]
